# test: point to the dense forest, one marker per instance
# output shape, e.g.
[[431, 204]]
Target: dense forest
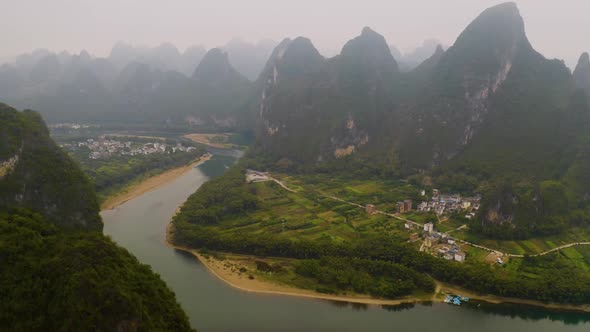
[[364, 276], [55, 280], [42, 176], [58, 272]]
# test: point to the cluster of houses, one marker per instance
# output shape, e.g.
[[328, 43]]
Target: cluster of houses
[[74, 126], [444, 203], [105, 148], [438, 244]]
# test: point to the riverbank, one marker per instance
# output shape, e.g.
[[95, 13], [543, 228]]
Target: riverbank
[[228, 270], [446, 288], [150, 184], [219, 141]]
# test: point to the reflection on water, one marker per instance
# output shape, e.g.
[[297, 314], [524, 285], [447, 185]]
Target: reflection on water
[[528, 312], [399, 307], [352, 305]]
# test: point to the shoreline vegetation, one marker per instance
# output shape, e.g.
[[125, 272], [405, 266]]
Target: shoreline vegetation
[[222, 269], [241, 281], [149, 184]]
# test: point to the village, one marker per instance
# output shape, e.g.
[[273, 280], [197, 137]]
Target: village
[[105, 147], [444, 204], [434, 242], [437, 243]]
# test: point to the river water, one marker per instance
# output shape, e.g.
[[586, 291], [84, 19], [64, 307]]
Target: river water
[[139, 225]]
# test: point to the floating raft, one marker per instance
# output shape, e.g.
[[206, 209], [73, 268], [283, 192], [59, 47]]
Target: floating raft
[[455, 299]]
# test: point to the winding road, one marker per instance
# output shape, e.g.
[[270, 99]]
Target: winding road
[[397, 216]]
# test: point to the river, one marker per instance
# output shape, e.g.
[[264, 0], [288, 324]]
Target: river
[[212, 306]]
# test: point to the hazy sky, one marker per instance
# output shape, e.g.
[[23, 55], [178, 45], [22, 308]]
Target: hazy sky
[[558, 29]]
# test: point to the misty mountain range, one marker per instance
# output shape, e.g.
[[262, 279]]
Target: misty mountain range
[[134, 84]]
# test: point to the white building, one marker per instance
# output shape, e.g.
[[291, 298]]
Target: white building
[[428, 227], [460, 256]]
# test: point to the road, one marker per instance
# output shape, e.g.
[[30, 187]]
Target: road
[[398, 217]]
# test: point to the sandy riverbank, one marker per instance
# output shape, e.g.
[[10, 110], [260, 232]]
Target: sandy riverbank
[[212, 140], [150, 184], [228, 270]]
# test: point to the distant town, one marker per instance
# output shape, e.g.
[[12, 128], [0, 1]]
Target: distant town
[[74, 126], [107, 147]]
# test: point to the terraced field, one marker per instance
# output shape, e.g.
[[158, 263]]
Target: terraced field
[[307, 213]]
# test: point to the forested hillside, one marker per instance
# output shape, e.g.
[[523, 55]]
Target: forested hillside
[[38, 175], [56, 280], [59, 273]]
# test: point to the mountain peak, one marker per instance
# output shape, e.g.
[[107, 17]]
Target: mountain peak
[[367, 31], [488, 46], [368, 43], [499, 21], [216, 70], [214, 62], [297, 56], [302, 46], [367, 56], [584, 60], [582, 73]]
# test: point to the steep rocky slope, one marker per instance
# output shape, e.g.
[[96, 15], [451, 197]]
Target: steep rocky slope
[[488, 115]]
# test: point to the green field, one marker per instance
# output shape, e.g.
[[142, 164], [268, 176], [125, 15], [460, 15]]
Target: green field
[[530, 246], [309, 213]]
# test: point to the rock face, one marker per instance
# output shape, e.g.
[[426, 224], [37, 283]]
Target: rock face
[[489, 109], [36, 174], [412, 121], [582, 73], [322, 104]]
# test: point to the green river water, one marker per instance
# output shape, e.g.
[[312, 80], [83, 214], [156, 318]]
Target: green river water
[[139, 225]]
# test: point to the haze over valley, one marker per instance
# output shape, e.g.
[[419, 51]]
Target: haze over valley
[[280, 185]]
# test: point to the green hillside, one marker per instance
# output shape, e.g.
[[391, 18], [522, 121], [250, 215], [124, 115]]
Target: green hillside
[[490, 115], [42, 177], [59, 273]]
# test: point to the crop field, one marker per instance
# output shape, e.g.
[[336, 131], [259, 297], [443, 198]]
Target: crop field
[[309, 215], [531, 246]]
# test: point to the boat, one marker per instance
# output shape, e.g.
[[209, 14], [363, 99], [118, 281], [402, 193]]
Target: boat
[[455, 300]]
